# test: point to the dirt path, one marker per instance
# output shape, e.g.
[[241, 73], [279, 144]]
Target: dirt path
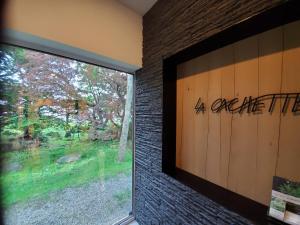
[[92, 204]]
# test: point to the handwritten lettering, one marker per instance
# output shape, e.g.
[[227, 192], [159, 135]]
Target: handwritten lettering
[[254, 105], [199, 106]]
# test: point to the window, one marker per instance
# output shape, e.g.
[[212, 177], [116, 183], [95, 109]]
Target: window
[[66, 140]]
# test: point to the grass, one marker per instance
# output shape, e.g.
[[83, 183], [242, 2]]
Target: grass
[[41, 174], [278, 204], [292, 189]]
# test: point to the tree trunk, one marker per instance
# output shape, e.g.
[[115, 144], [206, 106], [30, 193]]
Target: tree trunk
[[26, 134], [126, 120]]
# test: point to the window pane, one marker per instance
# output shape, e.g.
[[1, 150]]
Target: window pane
[[66, 140]]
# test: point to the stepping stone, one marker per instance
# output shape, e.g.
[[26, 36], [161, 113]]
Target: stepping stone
[[12, 166], [69, 158]]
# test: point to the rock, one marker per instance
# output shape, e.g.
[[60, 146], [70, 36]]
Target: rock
[[68, 158], [12, 166]]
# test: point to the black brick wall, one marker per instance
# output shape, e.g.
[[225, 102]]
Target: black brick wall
[[170, 26]]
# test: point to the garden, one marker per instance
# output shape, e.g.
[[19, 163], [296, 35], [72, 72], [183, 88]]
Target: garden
[[66, 130]]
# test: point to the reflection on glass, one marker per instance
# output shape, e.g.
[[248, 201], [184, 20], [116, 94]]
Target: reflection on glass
[[66, 140]]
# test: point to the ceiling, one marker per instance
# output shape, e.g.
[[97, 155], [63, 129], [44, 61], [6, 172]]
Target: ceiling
[[139, 6]]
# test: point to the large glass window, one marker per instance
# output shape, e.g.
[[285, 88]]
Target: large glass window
[[66, 140]]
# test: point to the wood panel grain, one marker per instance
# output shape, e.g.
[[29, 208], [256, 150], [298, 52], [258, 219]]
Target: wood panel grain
[[194, 130], [186, 149], [220, 71], [243, 168], [226, 118], [200, 134], [270, 70], [214, 133], [289, 143]]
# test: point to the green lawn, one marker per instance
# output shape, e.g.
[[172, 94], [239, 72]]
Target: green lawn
[[40, 173]]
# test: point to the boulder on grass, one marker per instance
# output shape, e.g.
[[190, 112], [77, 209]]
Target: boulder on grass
[[69, 158]]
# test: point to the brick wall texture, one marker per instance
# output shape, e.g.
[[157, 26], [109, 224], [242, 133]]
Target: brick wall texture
[[170, 26]]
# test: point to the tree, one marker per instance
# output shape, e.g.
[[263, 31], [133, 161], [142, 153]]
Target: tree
[[126, 120], [43, 90], [10, 58], [47, 85], [104, 90]]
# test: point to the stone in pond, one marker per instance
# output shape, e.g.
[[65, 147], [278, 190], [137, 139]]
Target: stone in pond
[[68, 158]]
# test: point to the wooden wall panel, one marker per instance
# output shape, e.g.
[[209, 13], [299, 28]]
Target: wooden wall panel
[[200, 134], [227, 77], [241, 152], [221, 72], [214, 126], [187, 152], [242, 167], [289, 142], [270, 68], [193, 149]]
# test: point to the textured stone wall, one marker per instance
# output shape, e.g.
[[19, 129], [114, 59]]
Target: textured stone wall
[[170, 26]]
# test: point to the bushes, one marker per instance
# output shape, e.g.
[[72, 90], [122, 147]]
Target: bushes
[[53, 132], [11, 132]]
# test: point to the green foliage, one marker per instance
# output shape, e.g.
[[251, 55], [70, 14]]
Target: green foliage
[[278, 204], [290, 189], [30, 122], [16, 54], [9, 85], [19, 55], [12, 121], [54, 132], [11, 132]]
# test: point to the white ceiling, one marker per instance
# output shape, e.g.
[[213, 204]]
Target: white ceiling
[[139, 6]]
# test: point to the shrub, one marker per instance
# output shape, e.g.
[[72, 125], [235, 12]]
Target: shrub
[[12, 132], [53, 132]]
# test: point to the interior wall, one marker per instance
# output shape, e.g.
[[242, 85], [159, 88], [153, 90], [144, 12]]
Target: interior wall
[[105, 27], [169, 27]]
